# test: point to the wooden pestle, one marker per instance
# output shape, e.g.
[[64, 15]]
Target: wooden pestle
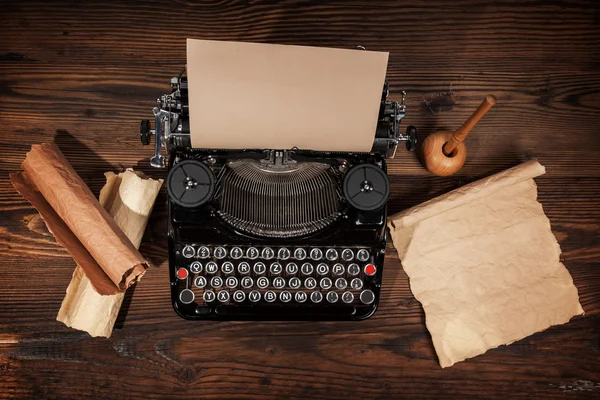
[[444, 152], [461, 133]]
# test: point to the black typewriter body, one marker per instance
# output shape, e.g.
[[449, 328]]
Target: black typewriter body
[[267, 234]]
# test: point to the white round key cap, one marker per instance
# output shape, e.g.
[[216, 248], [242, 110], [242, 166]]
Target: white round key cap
[[220, 253], [362, 255], [338, 269], [188, 251], [244, 268], [209, 296], [262, 282], [356, 284], [316, 297], [203, 252], [211, 267], [285, 296], [231, 282], [341, 283], [200, 282], [196, 267], [254, 296], [322, 269], [332, 297], [223, 296], [300, 297], [239, 296], [294, 282], [299, 254], [270, 296], [227, 267], [247, 282], [236, 253], [347, 297], [291, 268]]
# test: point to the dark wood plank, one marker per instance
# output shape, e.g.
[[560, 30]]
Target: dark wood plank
[[83, 74]]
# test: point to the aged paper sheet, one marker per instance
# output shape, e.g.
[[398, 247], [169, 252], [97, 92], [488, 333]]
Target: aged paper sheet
[[253, 95], [483, 262], [78, 221], [129, 198]]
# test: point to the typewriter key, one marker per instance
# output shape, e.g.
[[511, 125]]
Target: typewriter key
[[216, 281], [209, 296], [332, 297], [262, 282], [370, 269], [203, 252], [291, 268], [278, 283], [223, 296], [276, 268], [186, 296], [322, 269], [325, 283], [236, 253], [316, 254], [341, 283], [347, 255], [231, 282], [220, 252], [366, 187], [211, 267], [338, 269], [244, 268], [188, 251], [190, 183], [270, 296], [347, 297], [239, 296], [196, 267], [300, 254], [367, 297], [247, 282], [182, 273], [200, 282], [252, 253], [310, 283], [260, 268], [362, 255], [353, 269], [227, 267], [294, 283], [268, 253], [307, 269], [356, 284], [254, 296], [331, 254], [300, 297], [316, 297], [285, 296], [283, 253]]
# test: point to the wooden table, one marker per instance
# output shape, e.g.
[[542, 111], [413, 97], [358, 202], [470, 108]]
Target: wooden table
[[83, 73]]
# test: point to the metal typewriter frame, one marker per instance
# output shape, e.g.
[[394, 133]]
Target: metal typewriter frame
[[168, 130]]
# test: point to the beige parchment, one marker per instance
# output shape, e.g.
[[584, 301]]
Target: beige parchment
[[128, 197], [483, 262], [255, 95]]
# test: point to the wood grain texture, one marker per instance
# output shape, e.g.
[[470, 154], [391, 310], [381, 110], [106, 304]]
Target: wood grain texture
[[83, 73]]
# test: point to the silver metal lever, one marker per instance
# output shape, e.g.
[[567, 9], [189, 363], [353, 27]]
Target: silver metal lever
[[158, 160]]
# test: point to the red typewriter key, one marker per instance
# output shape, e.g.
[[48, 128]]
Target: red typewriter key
[[182, 273], [370, 269]]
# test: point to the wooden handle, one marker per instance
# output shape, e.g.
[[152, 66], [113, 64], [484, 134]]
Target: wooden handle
[[461, 133]]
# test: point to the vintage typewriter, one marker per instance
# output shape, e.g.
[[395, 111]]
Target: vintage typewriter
[[271, 234]]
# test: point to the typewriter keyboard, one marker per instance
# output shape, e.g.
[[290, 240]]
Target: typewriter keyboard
[[213, 275]]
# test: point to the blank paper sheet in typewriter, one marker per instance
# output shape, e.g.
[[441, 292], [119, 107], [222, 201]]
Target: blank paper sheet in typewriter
[[252, 95]]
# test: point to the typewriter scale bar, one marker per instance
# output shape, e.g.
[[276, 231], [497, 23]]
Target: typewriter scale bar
[[278, 283]]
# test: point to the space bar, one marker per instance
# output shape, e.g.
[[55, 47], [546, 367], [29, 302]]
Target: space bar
[[289, 311]]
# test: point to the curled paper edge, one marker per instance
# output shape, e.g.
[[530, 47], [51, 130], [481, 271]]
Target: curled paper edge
[[83, 308]]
